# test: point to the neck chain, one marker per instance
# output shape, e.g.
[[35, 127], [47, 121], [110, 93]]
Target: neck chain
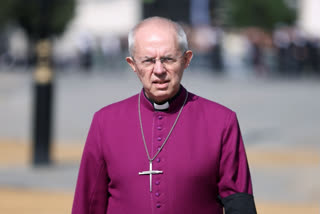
[[165, 141], [151, 172]]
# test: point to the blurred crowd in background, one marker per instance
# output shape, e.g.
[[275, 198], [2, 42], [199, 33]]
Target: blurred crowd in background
[[267, 41], [287, 50]]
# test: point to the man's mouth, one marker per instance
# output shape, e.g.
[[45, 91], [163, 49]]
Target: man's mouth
[[161, 84], [160, 81]]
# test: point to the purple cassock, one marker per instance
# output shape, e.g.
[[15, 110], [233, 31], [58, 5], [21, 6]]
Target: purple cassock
[[203, 163]]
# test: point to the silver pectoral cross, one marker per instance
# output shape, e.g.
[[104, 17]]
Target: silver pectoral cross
[[150, 173]]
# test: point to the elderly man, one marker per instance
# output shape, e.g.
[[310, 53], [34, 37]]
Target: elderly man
[[164, 150]]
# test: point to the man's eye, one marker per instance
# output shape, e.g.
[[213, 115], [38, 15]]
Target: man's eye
[[167, 60], [147, 61]]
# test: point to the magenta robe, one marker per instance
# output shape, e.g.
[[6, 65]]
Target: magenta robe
[[204, 158]]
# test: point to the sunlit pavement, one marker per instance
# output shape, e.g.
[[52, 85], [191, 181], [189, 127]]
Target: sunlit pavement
[[279, 120]]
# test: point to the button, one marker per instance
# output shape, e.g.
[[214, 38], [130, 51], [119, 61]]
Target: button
[[157, 194], [157, 182], [159, 138], [158, 205], [158, 160], [160, 117], [159, 128]]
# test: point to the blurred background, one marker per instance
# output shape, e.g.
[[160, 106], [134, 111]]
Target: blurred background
[[62, 60]]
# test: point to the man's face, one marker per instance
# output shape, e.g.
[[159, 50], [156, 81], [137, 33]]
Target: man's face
[[158, 61]]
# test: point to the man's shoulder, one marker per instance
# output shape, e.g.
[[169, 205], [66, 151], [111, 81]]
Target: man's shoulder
[[210, 106]]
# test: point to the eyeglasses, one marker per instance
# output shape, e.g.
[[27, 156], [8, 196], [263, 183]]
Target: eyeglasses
[[165, 61]]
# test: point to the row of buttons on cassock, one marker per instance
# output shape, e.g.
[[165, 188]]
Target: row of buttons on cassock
[[159, 128], [157, 194]]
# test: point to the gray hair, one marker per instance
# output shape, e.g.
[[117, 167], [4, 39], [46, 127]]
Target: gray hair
[[181, 35]]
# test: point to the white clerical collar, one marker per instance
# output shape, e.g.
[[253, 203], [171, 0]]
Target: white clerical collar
[[164, 106], [161, 107]]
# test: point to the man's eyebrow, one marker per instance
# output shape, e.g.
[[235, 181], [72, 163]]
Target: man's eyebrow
[[147, 57], [168, 56]]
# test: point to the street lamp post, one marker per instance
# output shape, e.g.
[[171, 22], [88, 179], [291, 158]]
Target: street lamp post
[[43, 96]]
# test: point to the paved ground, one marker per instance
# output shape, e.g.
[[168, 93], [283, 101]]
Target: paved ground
[[279, 119]]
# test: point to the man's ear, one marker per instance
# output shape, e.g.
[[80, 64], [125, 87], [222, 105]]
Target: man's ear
[[130, 61], [187, 58]]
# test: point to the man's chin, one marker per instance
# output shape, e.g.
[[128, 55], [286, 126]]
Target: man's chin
[[161, 95]]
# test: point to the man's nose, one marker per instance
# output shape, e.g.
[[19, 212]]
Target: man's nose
[[158, 67]]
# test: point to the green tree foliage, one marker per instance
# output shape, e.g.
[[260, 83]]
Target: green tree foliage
[[257, 13], [6, 11], [39, 18]]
